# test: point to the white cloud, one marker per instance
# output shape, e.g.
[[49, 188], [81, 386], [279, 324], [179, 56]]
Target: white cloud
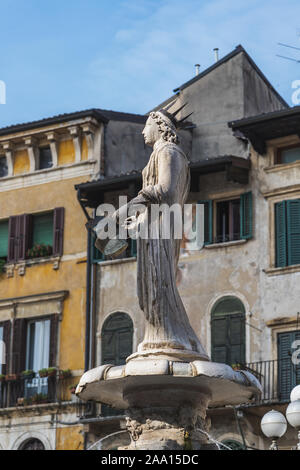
[[165, 39]]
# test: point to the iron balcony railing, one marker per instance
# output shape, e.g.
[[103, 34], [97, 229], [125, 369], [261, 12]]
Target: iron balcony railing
[[277, 378], [36, 391]]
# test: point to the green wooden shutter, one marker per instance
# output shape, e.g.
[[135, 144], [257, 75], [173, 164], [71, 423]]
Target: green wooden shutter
[[4, 239], [293, 231], [281, 234], [208, 221], [133, 247], [219, 340], [246, 215], [288, 373], [237, 338], [96, 254]]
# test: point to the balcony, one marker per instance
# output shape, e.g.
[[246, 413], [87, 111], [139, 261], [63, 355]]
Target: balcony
[[277, 378], [17, 392]]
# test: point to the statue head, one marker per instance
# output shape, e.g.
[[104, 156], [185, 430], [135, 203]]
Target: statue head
[[159, 126], [162, 125]]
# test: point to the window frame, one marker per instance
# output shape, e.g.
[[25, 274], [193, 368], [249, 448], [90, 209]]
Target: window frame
[[273, 232], [40, 150], [278, 154]]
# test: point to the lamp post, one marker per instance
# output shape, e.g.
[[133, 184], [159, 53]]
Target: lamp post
[[274, 424], [293, 412]]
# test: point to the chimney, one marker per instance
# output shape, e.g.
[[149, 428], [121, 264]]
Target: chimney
[[216, 50], [197, 67]]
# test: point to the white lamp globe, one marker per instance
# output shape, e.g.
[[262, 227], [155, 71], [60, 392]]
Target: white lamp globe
[[293, 414], [295, 393], [273, 424]]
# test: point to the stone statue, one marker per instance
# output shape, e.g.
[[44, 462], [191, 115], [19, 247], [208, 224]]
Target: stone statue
[[166, 180]]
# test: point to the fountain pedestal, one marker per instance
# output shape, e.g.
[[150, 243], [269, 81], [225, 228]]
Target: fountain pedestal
[[166, 401]]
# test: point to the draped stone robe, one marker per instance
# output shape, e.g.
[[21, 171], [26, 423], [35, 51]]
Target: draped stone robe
[[166, 180]]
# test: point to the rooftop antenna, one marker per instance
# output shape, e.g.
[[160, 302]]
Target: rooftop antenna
[[291, 47]]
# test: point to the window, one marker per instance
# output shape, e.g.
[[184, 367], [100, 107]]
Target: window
[[287, 232], [228, 331], [2, 349], [3, 167], [233, 219], [42, 235], [37, 355], [32, 444], [117, 338], [97, 256], [45, 158], [33, 236], [228, 221], [288, 373], [3, 239], [288, 154]]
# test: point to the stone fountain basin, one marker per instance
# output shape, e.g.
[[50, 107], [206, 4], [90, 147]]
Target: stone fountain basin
[[163, 381]]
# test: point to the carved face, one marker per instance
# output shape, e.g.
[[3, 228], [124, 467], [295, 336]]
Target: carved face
[[150, 132]]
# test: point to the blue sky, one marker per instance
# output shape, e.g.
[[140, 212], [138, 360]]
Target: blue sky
[[61, 56]]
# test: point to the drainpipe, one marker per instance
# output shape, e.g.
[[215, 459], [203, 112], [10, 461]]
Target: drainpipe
[[88, 304], [88, 288]]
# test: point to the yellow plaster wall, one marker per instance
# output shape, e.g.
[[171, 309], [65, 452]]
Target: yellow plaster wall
[[69, 438], [21, 162], [66, 152], [84, 149], [42, 278]]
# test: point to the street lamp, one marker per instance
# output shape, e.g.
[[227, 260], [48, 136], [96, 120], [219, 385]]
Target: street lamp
[[273, 425], [293, 412]]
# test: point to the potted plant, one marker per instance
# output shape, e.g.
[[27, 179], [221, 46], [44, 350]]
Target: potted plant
[[11, 377], [235, 366], [39, 251], [72, 389], [64, 374], [2, 377], [52, 371], [43, 373], [27, 374], [27, 401], [2, 264], [39, 398]]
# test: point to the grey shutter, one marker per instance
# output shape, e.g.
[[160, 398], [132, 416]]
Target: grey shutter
[[281, 234], [12, 239], [293, 231], [54, 322], [246, 216], [6, 338], [58, 231], [19, 345], [24, 235]]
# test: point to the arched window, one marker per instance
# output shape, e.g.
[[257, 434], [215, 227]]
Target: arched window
[[233, 445], [117, 338], [117, 335], [32, 444], [228, 331]]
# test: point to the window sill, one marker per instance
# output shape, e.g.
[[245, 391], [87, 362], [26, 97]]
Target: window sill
[[282, 166], [225, 244], [286, 270], [116, 261], [20, 266]]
